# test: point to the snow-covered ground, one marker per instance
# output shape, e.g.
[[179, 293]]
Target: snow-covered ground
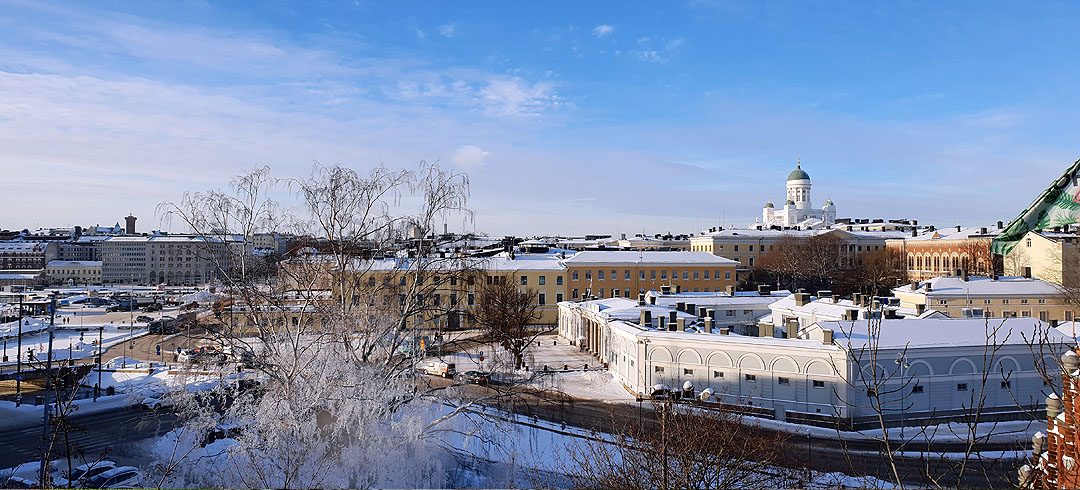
[[591, 385], [79, 343]]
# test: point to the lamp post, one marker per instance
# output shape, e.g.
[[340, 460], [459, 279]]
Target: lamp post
[[18, 357], [48, 378], [901, 360]]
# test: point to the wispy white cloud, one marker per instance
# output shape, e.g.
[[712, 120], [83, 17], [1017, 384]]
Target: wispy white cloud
[[469, 157], [448, 30], [512, 96], [603, 30], [650, 56]]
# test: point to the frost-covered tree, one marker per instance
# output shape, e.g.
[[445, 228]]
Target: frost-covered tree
[[328, 334]]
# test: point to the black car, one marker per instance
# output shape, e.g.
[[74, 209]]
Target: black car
[[477, 377]]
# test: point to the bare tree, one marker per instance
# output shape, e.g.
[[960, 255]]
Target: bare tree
[[508, 315]]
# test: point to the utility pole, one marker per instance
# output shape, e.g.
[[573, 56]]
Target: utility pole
[[97, 387], [48, 373], [18, 357]]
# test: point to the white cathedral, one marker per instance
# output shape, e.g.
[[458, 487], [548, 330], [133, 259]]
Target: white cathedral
[[797, 211]]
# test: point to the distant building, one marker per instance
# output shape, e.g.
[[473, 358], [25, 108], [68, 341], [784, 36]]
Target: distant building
[[748, 246], [798, 211], [1050, 255], [623, 273], [986, 297], [19, 255], [933, 252], [78, 272], [168, 259]]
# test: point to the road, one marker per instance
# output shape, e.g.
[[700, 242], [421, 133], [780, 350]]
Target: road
[[116, 434]]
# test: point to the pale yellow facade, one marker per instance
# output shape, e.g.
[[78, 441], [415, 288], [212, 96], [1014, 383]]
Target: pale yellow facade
[[1052, 257], [986, 297]]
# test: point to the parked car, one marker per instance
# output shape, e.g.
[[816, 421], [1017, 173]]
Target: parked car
[[477, 377], [152, 307], [157, 402], [437, 368], [186, 356], [124, 476], [81, 473], [143, 319], [221, 431], [116, 308]]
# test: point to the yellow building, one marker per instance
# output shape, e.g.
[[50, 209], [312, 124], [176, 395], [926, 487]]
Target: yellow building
[[987, 297], [748, 246], [619, 273], [76, 271], [1052, 256]]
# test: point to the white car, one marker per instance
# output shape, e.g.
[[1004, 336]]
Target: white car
[[81, 473], [436, 368], [157, 402], [122, 477]]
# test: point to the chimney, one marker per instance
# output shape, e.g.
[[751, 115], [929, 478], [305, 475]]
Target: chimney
[[765, 330], [920, 309], [1026, 272], [661, 322], [929, 288], [678, 289], [723, 330], [826, 336], [641, 299], [680, 324], [680, 306], [646, 318], [792, 328], [652, 300], [801, 299], [914, 232], [932, 228], [665, 289], [963, 275], [1053, 323], [856, 299], [731, 290], [982, 230], [763, 290], [824, 293], [958, 228], [914, 285], [709, 324], [672, 315], [836, 299], [691, 308], [702, 311], [711, 313], [1000, 225], [130, 222]]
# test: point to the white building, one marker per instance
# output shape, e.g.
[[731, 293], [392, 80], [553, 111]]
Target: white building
[[169, 259], [798, 210], [819, 375]]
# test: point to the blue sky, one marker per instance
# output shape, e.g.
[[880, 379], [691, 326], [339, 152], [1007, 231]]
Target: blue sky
[[570, 117]]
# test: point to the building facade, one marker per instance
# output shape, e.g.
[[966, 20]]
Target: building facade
[[615, 274], [987, 297], [798, 210], [74, 271], [934, 253]]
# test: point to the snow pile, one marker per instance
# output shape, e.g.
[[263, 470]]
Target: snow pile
[[592, 385], [30, 325]]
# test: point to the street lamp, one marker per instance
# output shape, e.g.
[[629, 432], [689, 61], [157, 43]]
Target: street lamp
[[901, 360]]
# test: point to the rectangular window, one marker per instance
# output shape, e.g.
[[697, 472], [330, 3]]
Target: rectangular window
[[588, 275], [819, 384], [1023, 301], [986, 301], [626, 274], [1043, 315], [641, 273], [558, 297], [750, 248], [524, 280], [652, 275], [916, 389], [751, 378], [600, 293], [658, 369], [627, 291], [688, 372], [736, 248], [1004, 301], [1006, 385], [751, 262], [558, 280], [717, 374], [706, 274], [599, 275], [695, 275], [573, 275], [663, 275], [453, 280], [943, 301], [1042, 301], [727, 275], [542, 299], [614, 275], [729, 313], [783, 381], [961, 386], [1068, 316], [542, 280], [614, 292], [574, 293], [453, 299], [471, 299], [685, 275]]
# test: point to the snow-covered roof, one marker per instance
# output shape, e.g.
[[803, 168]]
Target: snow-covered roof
[[822, 307], [19, 246], [624, 257], [939, 332], [74, 263], [951, 233], [715, 299], [952, 286]]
